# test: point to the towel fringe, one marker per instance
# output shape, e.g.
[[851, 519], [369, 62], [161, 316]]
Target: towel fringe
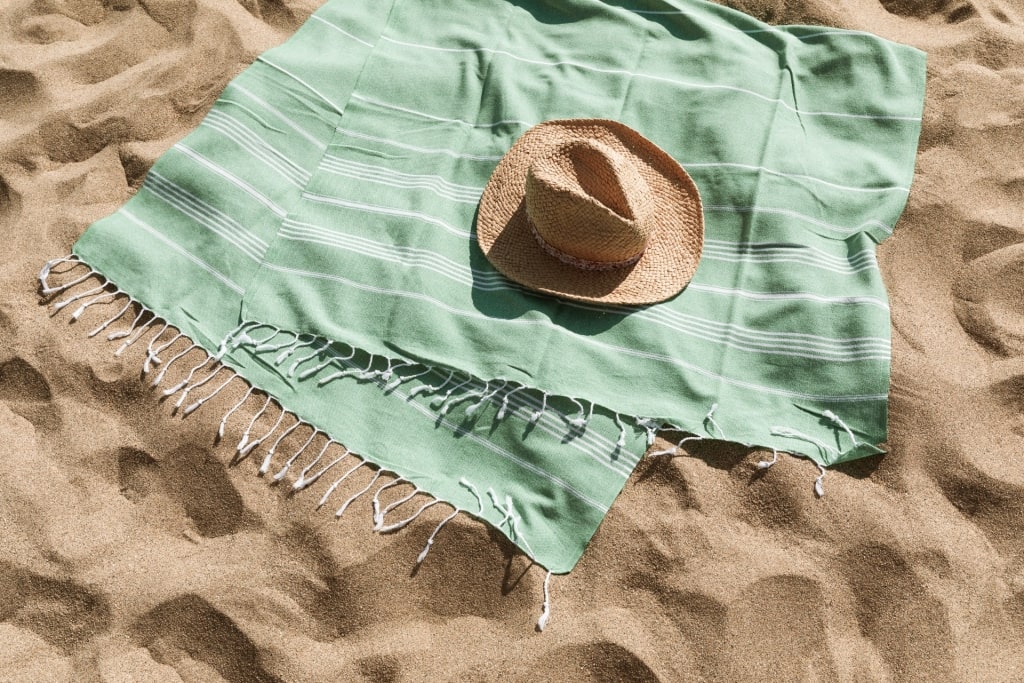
[[485, 397], [105, 298], [44, 274], [60, 305], [297, 344], [150, 354], [265, 345], [117, 315], [398, 481], [818, 487], [269, 455], [710, 417], [430, 539], [223, 420], [323, 346], [401, 379], [765, 464], [268, 458], [509, 510], [580, 422], [203, 372], [163, 371], [832, 417], [153, 355], [188, 377], [472, 489], [454, 389], [304, 482], [504, 401], [469, 395], [361, 373], [426, 388], [620, 443], [256, 442], [195, 385], [306, 374], [333, 487], [358, 494], [545, 613], [650, 427], [794, 434], [245, 435], [437, 404], [538, 413], [131, 329], [388, 528], [672, 452]]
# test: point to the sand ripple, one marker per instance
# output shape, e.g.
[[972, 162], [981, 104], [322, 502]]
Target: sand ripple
[[135, 549]]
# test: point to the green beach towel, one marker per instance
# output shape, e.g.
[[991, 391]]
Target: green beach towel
[[315, 234]]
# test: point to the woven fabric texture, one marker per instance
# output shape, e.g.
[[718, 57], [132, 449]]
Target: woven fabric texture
[[332, 191]]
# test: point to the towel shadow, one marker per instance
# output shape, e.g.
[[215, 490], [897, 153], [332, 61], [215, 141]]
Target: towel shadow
[[513, 575], [861, 468], [551, 12], [680, 25]]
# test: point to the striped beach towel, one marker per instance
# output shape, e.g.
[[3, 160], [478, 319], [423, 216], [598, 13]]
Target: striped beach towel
[[315, 235]]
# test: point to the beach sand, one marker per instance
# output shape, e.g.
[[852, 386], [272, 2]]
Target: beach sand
[[131, 551]]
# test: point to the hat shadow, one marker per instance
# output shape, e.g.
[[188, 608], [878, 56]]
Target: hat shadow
[[549, 15], [515, 300]]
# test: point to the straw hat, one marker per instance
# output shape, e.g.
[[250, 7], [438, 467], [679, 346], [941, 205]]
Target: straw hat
[[589, 209]]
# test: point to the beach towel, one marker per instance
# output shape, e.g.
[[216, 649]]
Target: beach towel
[[315, 235]]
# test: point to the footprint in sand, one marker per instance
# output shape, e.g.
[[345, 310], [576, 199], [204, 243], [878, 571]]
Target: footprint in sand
[[345, 598], [10, 203], [1015, 609], [750, 624], [19, 381], [176, 16], [895, 611], [27, 657], [65, 614], [380, 669], [112, 42], [188, 482], [949, 11], [273, 12], [200, 642], [796, 653], [173, 69], [994, 505], [987, 296], [27, 393], [20, 93], [602, 661], [46, 29], [1000, 15]]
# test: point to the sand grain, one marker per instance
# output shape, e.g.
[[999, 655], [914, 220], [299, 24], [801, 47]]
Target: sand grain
[[133, 551]]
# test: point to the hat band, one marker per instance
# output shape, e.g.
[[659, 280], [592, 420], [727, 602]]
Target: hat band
[[577, 262]]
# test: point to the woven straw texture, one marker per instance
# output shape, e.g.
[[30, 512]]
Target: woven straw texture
[[595, 207]]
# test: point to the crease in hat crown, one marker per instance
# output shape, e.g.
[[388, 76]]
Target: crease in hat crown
[[588, 206], [591, 210]]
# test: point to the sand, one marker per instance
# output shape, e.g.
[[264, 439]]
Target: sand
[[132, 551]]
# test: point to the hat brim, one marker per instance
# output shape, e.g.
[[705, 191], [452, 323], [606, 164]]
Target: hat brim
[[674, 248]]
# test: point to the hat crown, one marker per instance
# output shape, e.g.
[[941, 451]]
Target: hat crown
[[588, 205]]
